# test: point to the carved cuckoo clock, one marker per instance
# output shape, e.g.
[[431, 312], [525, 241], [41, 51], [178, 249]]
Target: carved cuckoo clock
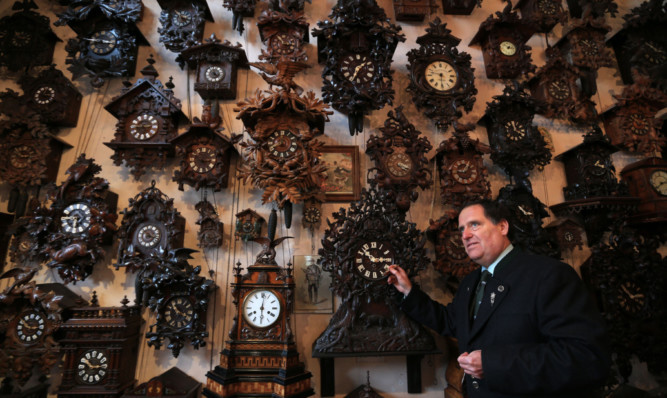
[[204, 153], [80, 219], [647, 180], [463, 176], [631, 124], [594, 8], [260, 357], [357, 248], [583, 45], [282, 157], [567, 232], [216, 64], [413, 10], [284, 33], [173, 383], [239, 9], [526, 213], [356, 47], [100, 346], [182, 23], [312, 208], [543, 14], [503, 41], [150, 226], [555, 87], [248, 225], [26, 38], [107, 39], [459, 7], [31, 316], [24, 246], [211, 229], [516, 144], [400, 159], [441, 78], [148, 116], [450, 254], [642, 43], [179, 297]]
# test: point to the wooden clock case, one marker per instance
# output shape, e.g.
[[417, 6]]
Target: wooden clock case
[[647, 180]]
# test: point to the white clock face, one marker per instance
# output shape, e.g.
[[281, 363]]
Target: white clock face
[[149, 236], [143, 127], [441, 75], [76, 218], [507, 48], [44, 95], [659, 181], [92, 366], [30, 327], [214, 74], [261, 308]]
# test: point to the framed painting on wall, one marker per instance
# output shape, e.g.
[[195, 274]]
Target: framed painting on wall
[[342, 183], [312, 286]]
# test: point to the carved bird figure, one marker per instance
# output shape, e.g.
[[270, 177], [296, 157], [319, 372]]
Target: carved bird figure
[[281, 74]]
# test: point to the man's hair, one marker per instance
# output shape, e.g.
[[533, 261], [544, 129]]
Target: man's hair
[[494, 211]]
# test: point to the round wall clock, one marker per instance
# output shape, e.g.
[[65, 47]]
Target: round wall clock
[[399, 164], [441, 76], [358, 68], [181, 18], [283, 43], [559, 89], [507, 48], [637, 123], [282, 144], [373, 258], [30, 327], [464, 171], [144, 127], [92, 366], [261, 308], [514, 130], [312, 215], [102, 42], [178, 312], [547, 7], [214, 74], [588, 47], [148, 235], [202, 159], [22, 156], [76, 218], [658, 181], [44, 95]]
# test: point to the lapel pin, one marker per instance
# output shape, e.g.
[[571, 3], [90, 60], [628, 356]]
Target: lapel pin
[[501, 288]]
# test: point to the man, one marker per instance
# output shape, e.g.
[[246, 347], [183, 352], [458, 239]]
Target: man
[[313, 274], [536, 332]]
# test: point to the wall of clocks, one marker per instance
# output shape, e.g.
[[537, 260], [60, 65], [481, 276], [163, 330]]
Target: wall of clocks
[[96, 126]]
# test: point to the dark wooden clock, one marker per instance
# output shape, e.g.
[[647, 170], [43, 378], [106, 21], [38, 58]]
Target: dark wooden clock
[[282, 157], [312, 208], [148, 116], [450, 254], [182, 23], [459, 7], [413, 10], [567, 232], [647, 180], [100, 347], [503, 41], [631, 123], [516, 144], [211, 229], [441, 78], [284, 33], [150, 226], [356, 47], [26, 38], [204, 153], [179, 296], [248, 225], [173, 383], [217, 66], [544, 14], [463, 176], [107, 38], [260, 358], [400, 159], [239, 9]]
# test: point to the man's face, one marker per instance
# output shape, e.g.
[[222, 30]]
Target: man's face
[[483, 240]]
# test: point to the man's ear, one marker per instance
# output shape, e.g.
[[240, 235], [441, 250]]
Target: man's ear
[[504, 227]]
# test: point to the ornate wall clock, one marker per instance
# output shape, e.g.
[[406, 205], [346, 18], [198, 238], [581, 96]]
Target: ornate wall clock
[[642, 43], [647, 180], [107, 38], [100, 347], [441, 78], [400, 159], [555, 86], [450, 254], [80, 219], [284, 34], [211, 229], [544, 14], [359, 245], [204, 154], [150, 226], [173, 383], [182, 23], [567, 232], [312, 209], [260, 357], [463, 176], [503, 41], [216, 64], [24, 246], [31, 316], [148, 116], [356, 49], [179, 296], [526, 213], [516, 144], [26, 38], [632, 124], [282, 157], [240, 9], [248, 225], [413, 10]]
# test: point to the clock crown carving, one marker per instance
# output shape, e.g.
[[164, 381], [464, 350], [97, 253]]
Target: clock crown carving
[[356, 47], [148, 116], [441, 78], [400, 159], [284, 33]]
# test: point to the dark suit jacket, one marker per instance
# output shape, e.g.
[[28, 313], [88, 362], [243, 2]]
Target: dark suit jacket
[[537, 327]]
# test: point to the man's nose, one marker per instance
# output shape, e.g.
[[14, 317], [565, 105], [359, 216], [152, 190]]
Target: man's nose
[[465, 234]]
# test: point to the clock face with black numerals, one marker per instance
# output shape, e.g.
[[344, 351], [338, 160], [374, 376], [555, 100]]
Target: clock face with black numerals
[[373, 258], [261, 308], [92, 366], [30, 327], [507, 48], [179, 312], [441, 75], [282, 144], [658, 180]]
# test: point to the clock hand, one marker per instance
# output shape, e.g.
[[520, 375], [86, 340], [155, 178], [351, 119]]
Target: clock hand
[[403, 166], [99, 40], [358, 68], [525, 212], [598, 164]]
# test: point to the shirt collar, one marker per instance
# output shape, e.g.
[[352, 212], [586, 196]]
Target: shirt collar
[[502, 255]]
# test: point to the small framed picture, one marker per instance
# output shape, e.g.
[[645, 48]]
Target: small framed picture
[[342, 183], [313, 294]]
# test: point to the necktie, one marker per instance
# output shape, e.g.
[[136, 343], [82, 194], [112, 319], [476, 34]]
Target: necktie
[[479, 293]]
